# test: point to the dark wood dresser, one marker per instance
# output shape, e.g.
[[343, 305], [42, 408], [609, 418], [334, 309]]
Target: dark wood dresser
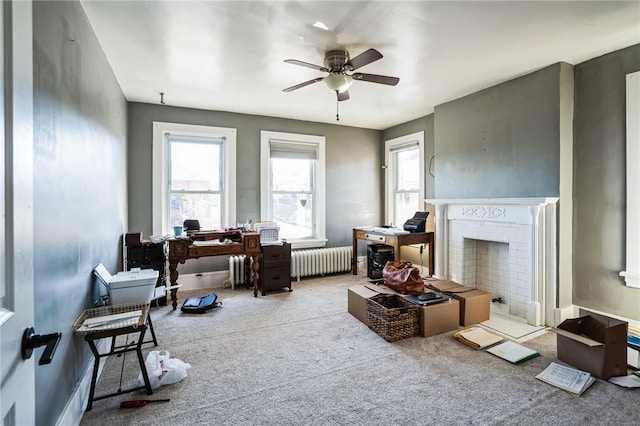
[[275, 267], [148, 255]]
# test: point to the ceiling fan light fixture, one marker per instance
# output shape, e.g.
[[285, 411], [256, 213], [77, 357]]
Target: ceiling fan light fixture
[[337, 82], [321, 25]]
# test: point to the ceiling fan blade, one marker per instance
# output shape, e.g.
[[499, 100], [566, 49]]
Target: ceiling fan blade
[[344, 96], [375, 78], [306, 83], [306, 64], [364, 58]]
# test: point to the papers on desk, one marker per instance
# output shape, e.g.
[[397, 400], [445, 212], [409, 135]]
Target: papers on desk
[[383, 230], [207, 243]]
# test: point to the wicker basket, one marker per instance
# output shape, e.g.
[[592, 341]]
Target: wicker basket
[[114, 317], [393, 317]]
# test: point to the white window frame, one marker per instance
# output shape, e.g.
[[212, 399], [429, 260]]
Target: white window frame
[[631, 273], [160, 179], [320, 182], [389, 184]]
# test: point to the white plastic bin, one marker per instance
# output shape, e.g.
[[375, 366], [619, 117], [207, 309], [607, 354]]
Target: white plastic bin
[[135, 286]]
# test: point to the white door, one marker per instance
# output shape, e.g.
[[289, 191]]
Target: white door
[[17, 385]]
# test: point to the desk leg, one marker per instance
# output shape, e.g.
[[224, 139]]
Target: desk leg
[[94, 376], [255, 267], [432, 254], [143, 368], [173, 279], [354, 254]]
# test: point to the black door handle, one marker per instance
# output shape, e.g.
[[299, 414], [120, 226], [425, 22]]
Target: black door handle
[[30, 341]]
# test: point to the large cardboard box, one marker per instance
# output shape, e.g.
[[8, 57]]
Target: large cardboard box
[[474, 303], [434, 319], [439, 318], [593, 343], [357, 299]]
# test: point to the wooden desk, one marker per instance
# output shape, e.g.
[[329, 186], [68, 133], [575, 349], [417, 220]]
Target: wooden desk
[[183, 249], [395, 241]]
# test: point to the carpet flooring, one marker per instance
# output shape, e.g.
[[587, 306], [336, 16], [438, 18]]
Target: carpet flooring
[[299, 358]]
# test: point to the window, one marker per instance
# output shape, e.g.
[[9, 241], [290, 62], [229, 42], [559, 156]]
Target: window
[[404, 180], [193, 176], [292, 186]]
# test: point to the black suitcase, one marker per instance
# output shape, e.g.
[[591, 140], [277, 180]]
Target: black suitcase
[[200, 305]]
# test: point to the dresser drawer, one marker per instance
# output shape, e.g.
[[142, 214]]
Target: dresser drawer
[[275, 278], [275, 256]]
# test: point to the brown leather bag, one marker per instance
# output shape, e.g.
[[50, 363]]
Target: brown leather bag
[[403, 277]]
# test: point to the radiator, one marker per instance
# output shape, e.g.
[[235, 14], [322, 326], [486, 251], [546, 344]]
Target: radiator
[[322, 261], [239, 270]]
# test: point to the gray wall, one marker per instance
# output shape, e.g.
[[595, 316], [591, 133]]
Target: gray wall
[[353, 168], [502, 141], [79, 187], [600, 184]]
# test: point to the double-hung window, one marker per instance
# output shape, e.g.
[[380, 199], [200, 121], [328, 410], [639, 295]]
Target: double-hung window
[[292, 186], [404, 182], [193, 176]]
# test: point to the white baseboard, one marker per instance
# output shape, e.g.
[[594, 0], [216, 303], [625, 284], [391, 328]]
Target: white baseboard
[[571, 311], [74, 410], [632, 323], [561, 314], [214, 279]]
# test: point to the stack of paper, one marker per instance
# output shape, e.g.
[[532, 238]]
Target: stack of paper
[[477, 337], [566, 378], [513, 352]]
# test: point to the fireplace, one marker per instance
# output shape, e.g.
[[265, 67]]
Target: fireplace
[[523, 259]]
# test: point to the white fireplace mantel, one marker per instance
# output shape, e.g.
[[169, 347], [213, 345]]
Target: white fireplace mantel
[[514, 201], [527, 223]]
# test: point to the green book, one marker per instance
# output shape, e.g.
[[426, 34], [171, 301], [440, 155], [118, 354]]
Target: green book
[[513, 352]]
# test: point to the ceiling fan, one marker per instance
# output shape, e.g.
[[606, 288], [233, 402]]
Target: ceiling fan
[[340, 67]]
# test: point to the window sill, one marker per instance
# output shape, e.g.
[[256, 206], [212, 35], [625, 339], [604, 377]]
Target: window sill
[[631, 279], [304, 244]]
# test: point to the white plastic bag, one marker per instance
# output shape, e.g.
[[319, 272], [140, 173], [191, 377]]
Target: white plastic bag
[[163, 370]]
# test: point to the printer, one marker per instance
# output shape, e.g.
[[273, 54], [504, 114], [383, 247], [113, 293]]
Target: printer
[[417, 222]]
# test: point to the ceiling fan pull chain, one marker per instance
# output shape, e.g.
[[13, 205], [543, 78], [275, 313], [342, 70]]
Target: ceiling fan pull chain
[[337, 107]]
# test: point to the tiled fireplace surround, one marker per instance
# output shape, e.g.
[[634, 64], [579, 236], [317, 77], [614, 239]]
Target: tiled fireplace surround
[[527, 225]]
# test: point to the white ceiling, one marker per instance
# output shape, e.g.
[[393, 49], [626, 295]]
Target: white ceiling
[[228, 55]]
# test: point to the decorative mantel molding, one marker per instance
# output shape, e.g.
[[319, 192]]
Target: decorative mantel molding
[[527, 223], [526, 201]]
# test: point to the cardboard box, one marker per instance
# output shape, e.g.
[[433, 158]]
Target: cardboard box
[[357, 299], [439, 318], [474, 303], [434, 319], [593, 343]]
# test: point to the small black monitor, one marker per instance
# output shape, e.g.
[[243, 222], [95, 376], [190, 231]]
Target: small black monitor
[[191, 225]]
